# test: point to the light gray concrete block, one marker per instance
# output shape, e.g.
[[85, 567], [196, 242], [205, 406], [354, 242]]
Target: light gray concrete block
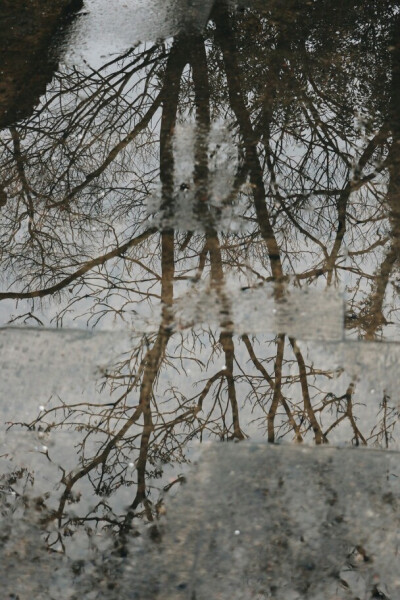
[[256, 522]]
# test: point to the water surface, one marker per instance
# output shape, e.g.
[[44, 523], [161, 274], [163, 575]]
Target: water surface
[[199, 237]]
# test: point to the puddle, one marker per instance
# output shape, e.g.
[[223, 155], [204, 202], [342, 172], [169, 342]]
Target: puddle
[[199, 239], [93, 38]]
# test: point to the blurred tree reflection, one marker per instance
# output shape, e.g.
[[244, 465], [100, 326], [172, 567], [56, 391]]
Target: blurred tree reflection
[[262, 150]]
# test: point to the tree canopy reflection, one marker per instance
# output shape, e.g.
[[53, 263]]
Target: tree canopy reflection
[[263, 150]]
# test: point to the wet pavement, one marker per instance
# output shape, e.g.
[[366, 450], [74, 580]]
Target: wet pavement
[[200, 242], [258, 522]]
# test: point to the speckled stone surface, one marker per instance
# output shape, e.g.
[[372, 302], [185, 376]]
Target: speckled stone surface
[[260, 522]]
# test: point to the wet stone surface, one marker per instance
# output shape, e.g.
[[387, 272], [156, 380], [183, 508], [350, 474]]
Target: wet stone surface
[[281, 522], [199, 242]]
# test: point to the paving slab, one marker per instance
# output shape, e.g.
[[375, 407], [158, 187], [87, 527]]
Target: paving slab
[[261, 522]]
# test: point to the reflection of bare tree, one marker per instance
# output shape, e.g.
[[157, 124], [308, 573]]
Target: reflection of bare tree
[[27, 31], [318, 202], [374, 311], [82, 196]]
